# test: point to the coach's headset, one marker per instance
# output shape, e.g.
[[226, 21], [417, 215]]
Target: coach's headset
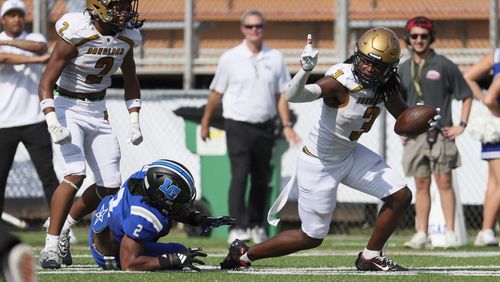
[[423, 22]]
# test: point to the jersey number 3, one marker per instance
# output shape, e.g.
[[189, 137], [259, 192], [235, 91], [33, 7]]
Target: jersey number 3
[[105, 64], [371, 113]]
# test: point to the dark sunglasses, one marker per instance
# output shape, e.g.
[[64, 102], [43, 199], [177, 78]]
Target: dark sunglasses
[[424, 36], [251, 26]]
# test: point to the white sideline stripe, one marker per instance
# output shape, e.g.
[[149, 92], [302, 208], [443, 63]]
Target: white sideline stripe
[[350, 254], [468, 270]]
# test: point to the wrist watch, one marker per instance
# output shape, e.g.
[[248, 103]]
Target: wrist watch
[[287, 124], [463, 124]]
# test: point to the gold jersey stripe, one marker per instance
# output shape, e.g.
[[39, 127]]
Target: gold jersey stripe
[[126, 39], [307, 152], [90, 38]]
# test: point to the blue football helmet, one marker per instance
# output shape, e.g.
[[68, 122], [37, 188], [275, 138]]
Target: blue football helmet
[[170, 187]]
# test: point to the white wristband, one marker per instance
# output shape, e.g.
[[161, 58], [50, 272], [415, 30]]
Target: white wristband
[[133, 103], [134, 117], [47, 103], [51, 119]]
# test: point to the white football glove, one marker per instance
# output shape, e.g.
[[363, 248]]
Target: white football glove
[[434, 121], [309, 56], [134, 131], [60, 134]]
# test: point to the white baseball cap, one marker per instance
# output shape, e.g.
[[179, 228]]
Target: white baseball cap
[[10, 5]]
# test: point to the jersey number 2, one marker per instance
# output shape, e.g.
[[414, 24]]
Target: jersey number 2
[[371, 113], [105, 64], [137, 230]]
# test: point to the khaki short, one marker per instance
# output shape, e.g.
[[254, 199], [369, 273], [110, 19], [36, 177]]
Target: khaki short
[[420, 161]]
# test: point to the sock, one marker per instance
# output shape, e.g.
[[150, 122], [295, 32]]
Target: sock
[[68, 223], [244, 258], [369, 254], [51, 242]]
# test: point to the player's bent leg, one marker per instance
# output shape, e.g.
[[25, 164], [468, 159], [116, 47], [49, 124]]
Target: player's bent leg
[[51, 256], [286, 242], [392, 211]]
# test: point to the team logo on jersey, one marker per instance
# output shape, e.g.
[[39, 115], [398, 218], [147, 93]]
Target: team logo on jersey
[[170, 191], [105, 51]]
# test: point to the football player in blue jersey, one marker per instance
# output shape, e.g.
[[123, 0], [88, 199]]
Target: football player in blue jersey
[[126, 227]]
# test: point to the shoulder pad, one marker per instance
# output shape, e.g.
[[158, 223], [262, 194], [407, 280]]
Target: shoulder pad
[[131, 36], [344, 75], [75, 28]]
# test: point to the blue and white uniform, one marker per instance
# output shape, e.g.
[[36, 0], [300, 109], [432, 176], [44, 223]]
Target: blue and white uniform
[[127, 214]]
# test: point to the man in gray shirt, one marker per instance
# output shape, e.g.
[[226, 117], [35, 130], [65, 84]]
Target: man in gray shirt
[[432, 79]]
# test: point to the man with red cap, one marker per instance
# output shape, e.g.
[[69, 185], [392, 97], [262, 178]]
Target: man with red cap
[[429, 78]]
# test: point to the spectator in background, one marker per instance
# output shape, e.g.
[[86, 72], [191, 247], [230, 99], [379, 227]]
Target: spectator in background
[[21, 119], [432, 79], [17, 263], [485, 126], [250, 79]]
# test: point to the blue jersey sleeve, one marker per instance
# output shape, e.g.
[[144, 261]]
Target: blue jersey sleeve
[[144, 224]]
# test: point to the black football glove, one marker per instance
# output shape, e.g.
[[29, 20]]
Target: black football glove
[[212, 222], [178, 261]]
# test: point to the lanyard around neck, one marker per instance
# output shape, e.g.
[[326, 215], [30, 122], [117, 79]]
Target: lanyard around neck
[[416, 78]]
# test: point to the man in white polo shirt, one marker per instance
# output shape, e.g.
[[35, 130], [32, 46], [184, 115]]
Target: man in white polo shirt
[[249, 80], [20, 117]]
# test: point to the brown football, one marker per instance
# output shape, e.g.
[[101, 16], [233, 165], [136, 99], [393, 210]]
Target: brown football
[[414, 120]]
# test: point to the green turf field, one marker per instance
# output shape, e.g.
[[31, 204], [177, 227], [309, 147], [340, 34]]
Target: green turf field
[[334, 260]]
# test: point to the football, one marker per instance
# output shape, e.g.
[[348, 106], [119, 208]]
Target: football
[[414, 120]]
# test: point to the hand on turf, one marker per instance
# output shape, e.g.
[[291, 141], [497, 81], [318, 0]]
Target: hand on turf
[[187, 258], [309, 56]]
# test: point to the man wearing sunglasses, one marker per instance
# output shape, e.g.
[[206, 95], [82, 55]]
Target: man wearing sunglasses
[[250, 80], [432, 79]]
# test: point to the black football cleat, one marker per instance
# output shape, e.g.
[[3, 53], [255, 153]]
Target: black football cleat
[[379, 263], [232, 260]]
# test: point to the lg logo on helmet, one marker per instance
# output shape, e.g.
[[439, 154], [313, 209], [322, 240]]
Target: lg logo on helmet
[[170, 191]]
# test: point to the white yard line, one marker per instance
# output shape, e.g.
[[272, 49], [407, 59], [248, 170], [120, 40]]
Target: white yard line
[[468, 270], [450, 254]]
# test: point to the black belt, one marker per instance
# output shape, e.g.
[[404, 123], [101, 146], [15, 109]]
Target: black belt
[[262, 125], [86, 99]]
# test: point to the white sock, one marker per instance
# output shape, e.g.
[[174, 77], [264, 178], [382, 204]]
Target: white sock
[[244, 258], [369, 254], [68, 223], [51, 242]]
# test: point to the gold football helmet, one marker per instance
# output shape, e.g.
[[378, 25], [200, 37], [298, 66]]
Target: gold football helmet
[[103, 11], [380, 48]]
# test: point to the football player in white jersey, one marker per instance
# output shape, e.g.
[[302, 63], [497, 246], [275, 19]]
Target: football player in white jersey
[[353, 94], [91, 46]]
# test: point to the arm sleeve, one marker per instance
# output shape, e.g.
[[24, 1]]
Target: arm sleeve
[[284, 76], [459, 86], [221, 78]]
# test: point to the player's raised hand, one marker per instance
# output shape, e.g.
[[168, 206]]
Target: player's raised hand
[[309, 56]]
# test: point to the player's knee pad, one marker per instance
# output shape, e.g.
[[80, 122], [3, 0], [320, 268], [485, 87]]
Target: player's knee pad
[[74, 182]]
